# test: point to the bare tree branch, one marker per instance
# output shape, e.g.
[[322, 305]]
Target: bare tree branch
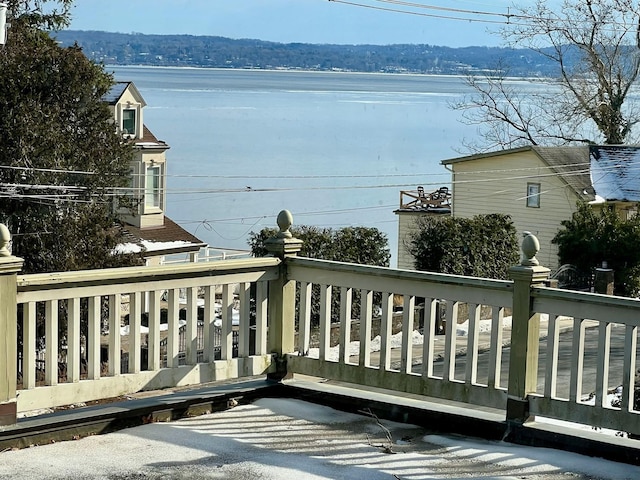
[[596, 46]]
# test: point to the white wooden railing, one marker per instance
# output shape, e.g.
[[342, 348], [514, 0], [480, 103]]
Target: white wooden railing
[[337, 303], [86, 301], [434, 375], [603, 352]]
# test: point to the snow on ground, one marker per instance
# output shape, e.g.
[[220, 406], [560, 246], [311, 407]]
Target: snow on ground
[[462, 330], [283, 439], [333, 354]]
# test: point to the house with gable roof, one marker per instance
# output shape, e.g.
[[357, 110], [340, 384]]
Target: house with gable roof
[[148, 229], [539, 187]]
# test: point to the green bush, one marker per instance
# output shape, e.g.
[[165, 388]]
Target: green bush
[[482, 246], [361, 245], [591, 237]]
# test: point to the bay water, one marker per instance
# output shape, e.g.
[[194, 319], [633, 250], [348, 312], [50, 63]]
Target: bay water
[[334, 148]]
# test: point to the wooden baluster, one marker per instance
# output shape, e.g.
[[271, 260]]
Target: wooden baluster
[[577, 361], [471, 365], [154, 330], [366, 319], [408, 318], [208, 328], [495, 350], [629, 367], [73, 340], [261, 317], [244, 327], [325, 320], [29, 345], [227, 323], [173, 334], [51, 342], [385, 331], [602, 367], [94, 320], [304, 321], [191, 328], [114, 334], [346, 299], [450, 341], [553, 345], [431, 310], [135, 319]]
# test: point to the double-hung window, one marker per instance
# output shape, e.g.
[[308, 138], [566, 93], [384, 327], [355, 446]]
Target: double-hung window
[[533, 195], [129, 121], [153, 187]]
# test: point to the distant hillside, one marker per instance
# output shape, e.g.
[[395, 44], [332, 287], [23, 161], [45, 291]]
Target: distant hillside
[[220, 52]]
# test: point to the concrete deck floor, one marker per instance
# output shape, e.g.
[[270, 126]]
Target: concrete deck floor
[[268, 431], [292, 439]]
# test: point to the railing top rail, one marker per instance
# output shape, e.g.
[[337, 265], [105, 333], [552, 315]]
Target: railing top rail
[[585, 297], [112, 276], [593, 306], [395, 280]]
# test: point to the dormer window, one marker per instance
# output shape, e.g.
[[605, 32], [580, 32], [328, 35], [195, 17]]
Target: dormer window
[[129, 121]]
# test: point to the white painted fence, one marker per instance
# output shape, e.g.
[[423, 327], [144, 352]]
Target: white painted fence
[[85, 300], [290, 294]]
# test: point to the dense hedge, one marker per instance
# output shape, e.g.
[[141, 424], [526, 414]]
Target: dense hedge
[[482, 246], [591, 237]]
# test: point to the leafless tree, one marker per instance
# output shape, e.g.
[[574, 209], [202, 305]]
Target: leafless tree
[[595, 45]]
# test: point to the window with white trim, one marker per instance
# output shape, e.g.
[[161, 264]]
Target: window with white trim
[[533, 195], [153, 187], [129, 121]]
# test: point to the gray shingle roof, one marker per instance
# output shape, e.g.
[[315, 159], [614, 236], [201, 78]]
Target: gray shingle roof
[[615, 172], [572, 165], [116, 92]]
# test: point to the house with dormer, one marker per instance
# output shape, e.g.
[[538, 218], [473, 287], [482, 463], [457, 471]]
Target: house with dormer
[[147, 227]]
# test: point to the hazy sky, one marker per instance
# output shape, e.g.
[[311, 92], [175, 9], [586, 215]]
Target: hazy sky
[[306, 21]]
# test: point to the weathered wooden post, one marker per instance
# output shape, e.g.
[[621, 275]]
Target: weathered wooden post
[[282, 296], [604, 278], [525, 331], [9, 268]]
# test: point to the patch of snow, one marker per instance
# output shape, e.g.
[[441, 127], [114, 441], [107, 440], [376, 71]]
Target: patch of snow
[[354, 347], [155, 246], [125, 248], [163, 328], [534, 460]]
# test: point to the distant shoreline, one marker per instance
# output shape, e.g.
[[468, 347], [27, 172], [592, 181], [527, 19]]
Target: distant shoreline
[[327, 72], [184, 51]]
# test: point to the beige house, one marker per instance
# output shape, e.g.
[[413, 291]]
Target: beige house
[[539, 187], [148, 228]]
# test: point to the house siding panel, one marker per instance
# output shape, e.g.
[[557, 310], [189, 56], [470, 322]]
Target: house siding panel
[[499, 185]]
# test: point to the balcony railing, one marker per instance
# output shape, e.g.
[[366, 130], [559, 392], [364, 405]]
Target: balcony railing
[[313, 317]]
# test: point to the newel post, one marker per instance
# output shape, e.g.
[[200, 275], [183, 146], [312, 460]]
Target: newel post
[[282, 295], [525, 331], [9, 268]]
